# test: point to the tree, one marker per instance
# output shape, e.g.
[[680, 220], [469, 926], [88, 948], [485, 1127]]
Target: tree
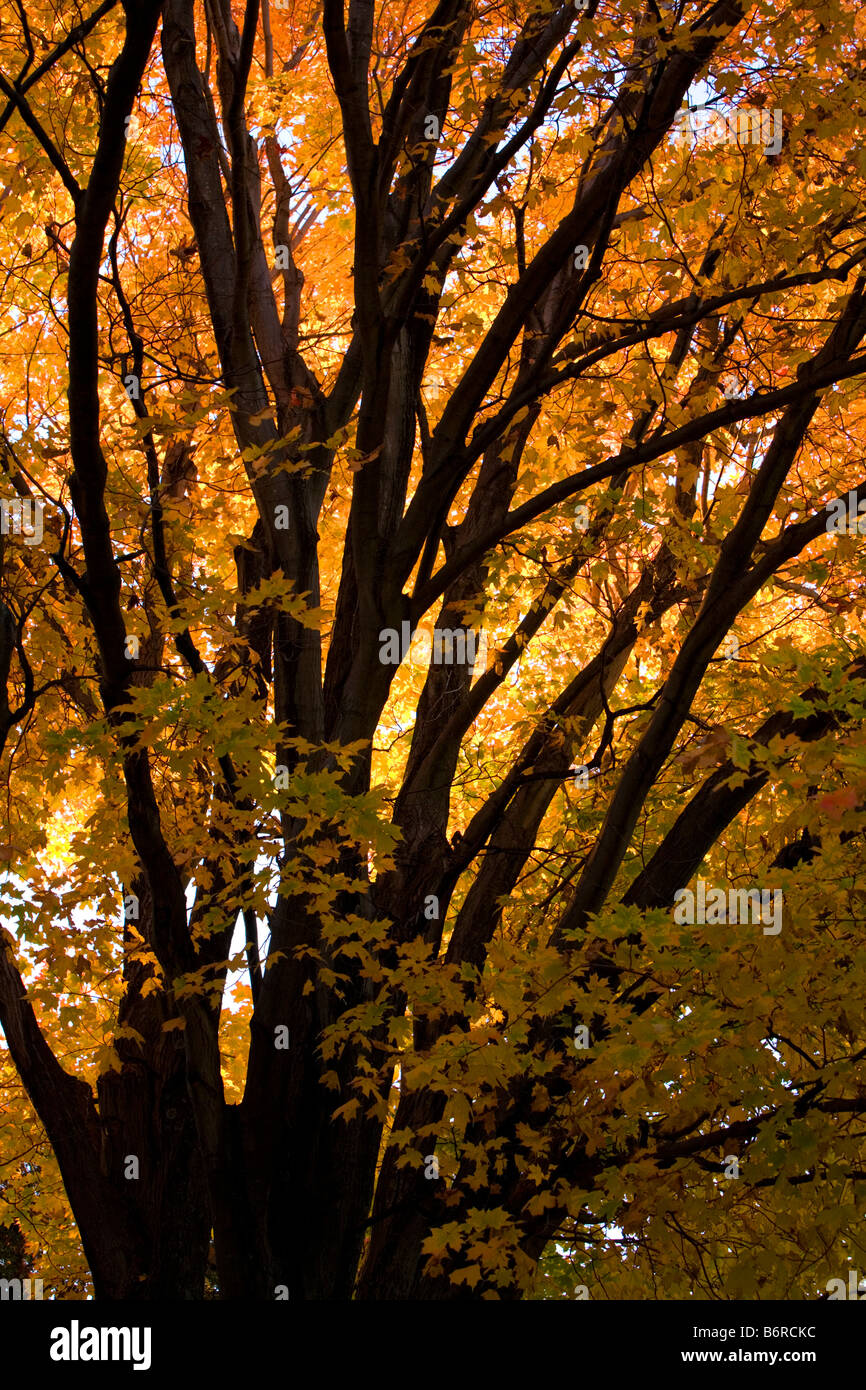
[[336, 966]]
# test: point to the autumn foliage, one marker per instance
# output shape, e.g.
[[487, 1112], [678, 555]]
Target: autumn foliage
[[328, 977]]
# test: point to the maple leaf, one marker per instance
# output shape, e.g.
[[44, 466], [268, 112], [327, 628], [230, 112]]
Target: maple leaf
[[303, 354]]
